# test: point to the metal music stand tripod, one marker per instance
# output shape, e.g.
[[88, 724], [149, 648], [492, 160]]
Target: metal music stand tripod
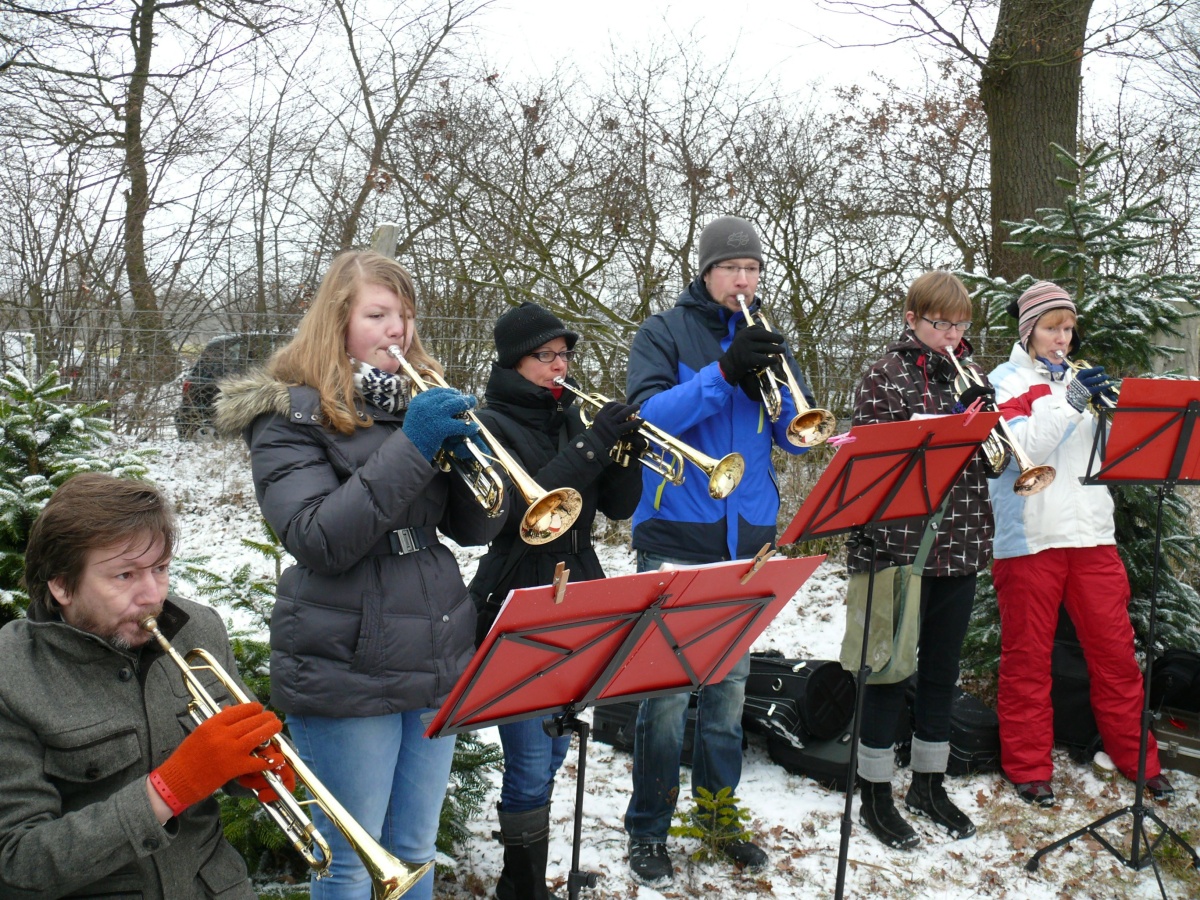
[[1154, 440], [892, 472], [555, 650]]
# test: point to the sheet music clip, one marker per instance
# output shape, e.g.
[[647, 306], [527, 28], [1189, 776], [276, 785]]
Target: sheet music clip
[[760, 560], [971, 410], [561, 575], [838, 439]]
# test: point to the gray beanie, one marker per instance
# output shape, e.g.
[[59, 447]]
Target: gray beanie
[[524, 329], [728, 238]]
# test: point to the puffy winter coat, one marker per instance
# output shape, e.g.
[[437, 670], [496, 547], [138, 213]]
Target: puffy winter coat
[[357, 629], [674, 375], [81, 726], [548, 438], [1054, 433], [911, 379]]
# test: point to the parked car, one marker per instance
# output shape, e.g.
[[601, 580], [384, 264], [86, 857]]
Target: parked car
[[229, 354]]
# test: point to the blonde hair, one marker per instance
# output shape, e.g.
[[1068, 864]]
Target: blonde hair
[[937, 292], [317, 355]]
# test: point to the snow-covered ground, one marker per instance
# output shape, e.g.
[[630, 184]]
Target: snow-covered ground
[[797, 821]]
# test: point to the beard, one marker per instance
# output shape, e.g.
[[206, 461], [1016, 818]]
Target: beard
[[125, 634]]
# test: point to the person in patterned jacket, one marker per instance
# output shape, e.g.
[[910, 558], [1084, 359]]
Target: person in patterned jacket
[[915, 378]]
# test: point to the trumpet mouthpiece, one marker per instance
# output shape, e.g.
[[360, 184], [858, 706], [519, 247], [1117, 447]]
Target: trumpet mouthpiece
[[395, 352], [149, 623], [1060, 354]]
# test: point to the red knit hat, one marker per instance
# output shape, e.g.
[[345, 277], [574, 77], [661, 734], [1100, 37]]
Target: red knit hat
[[1038, 300]]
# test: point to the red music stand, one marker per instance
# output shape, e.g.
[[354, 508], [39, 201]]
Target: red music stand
[[557, 649], [1153, 441], [888, 472]]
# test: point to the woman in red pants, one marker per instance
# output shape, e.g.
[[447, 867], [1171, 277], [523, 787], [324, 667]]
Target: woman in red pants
[[1058, 546]]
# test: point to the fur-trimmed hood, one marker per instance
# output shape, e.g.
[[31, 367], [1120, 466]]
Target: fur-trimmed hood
[[243, 398]]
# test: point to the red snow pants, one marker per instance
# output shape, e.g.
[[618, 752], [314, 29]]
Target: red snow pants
[[1093, 584]]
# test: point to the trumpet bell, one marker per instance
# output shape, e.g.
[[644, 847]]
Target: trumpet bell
[[1033, 480], [550, 516], [725, 475], [811, 427]]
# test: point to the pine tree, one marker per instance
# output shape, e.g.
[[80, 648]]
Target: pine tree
[[43, 442], [1094, 249]]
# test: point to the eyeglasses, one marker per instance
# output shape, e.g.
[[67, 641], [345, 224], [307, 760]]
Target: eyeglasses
[[751, 271], [548, 356], [943, 325]]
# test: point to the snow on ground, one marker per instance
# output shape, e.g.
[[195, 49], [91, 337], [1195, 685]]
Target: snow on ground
[[797, 821]]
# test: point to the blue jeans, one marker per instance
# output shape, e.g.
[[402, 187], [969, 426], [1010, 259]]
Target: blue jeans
[[390, 778], [531, 757], [658, 743]]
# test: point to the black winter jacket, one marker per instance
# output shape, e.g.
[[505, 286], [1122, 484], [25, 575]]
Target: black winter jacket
[[357, 630], [548, 438], [912, 379]]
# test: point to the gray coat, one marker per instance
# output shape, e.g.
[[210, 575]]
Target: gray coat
[[356, 630], [81, 725]]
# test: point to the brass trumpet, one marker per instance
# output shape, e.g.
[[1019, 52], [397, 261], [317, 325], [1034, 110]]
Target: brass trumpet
[[724, 474], [1032, 479], [390, 877], [549, 513], [809, 427], [1100, 400]]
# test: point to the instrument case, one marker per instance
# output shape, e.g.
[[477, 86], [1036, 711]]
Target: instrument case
[[1178, 735], [613, 724], [824, 761], [807, 698]]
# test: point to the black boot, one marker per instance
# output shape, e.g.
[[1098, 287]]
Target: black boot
[[881, 817], [927, 797], [526, 839]]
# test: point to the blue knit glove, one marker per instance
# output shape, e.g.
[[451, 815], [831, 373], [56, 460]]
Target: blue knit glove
[[457, 446], [1087, 384], [434, 415]]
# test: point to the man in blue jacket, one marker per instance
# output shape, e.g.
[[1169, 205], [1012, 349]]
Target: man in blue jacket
[[694, 370]]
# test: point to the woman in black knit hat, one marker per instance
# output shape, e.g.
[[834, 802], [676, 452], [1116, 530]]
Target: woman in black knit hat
[[537, 422]]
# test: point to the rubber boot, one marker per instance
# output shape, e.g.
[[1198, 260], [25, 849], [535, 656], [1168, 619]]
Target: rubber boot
[[526, 839]]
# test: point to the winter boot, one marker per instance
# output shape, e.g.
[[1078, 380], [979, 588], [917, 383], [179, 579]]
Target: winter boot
[[881, 817], [526, 839], [927, 797], [878, 811]]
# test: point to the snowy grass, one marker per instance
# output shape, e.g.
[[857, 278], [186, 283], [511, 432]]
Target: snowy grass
[[797, 821]]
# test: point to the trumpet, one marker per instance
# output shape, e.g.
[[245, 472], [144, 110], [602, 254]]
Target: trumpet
[[1100, 400], [1031, 479], [724, 474], [390, 877], [809, 426], [549, 513]]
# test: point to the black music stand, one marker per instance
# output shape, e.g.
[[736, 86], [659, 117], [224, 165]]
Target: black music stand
[[557, 649], [892, 472], [1154, 440]]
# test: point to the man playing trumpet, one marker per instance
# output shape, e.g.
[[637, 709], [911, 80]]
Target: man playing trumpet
[[103, 790], [695, 369]]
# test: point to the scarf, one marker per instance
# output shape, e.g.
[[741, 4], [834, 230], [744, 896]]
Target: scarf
[[381, 389]]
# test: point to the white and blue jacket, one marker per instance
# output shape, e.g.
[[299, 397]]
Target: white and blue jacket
[[674, 375]]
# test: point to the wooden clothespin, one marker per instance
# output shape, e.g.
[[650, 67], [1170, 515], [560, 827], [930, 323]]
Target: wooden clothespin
[[760, 559], [561, 575]]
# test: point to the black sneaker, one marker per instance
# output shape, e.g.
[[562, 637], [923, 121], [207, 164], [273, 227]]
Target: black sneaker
[[878, 812], [1160, 788], [927, 797], [1038, 793], [745, 854], [650, 863]]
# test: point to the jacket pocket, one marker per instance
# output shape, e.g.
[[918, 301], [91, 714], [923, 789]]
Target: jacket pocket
[[91, 754], [224, 875], [368, 652]]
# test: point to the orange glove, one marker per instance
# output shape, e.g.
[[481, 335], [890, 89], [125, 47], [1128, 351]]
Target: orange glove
[[257, 781], [219, 750]]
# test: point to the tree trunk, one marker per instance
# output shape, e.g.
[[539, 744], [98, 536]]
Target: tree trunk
[[1030, 90], [153, 363]]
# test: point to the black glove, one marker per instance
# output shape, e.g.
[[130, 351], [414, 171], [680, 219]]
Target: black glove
[[614, 421], [752, 348], [977, 392], [752, 387], [637, 446]]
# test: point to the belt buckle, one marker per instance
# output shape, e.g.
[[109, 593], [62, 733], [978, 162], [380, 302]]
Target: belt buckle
[[407, 541]]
